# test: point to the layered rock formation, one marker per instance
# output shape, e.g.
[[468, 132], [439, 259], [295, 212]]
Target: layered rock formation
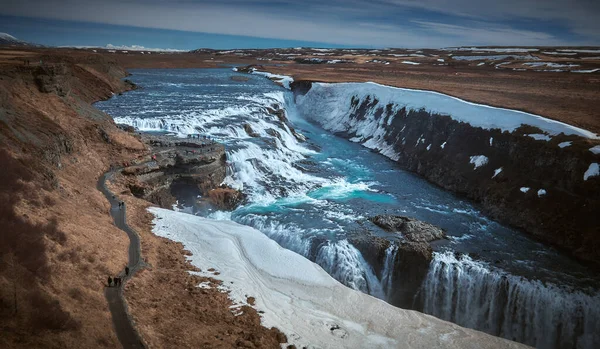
[[196, 162]]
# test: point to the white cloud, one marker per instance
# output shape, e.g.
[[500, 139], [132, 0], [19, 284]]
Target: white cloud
[[354, 22]]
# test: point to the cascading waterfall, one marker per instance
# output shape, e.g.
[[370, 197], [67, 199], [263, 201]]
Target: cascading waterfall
[[345, 263], [387, 273], [542, 315]]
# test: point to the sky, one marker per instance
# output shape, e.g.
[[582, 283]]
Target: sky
[[222, 24]]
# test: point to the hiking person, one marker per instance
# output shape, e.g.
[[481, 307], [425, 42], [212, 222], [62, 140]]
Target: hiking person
[[110, 280], [126, 271]]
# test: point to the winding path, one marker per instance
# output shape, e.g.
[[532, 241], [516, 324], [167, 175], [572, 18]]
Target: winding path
[[122, 320]]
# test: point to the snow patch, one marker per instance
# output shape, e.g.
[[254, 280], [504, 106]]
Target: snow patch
[[282, 79], [586, 71], [443, 145], [592, 171], [428, 147], [497, 172], [539, 137], [491, 141], [541, 192], [595, 149], [524, 189], [565, 144], [550, 65], [409, 62], [496, 58], [478, 160]]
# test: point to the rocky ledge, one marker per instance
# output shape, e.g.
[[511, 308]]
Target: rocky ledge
[[402, 257], [195, 161]]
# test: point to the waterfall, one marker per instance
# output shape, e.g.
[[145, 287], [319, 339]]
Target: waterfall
[[544, 315], [388, 270], [345, 263]]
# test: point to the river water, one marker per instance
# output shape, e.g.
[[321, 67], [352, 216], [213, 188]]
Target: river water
[[323, 189]]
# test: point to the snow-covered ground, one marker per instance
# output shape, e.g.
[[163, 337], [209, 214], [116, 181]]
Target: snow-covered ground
[[495, 58], [550, 65], [282, 79], [300, 298], [333, 100], [489, 49]]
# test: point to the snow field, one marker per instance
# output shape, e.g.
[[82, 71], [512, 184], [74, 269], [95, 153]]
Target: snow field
[[300, 298]]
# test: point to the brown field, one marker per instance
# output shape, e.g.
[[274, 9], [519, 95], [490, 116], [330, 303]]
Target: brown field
[[565, 96]]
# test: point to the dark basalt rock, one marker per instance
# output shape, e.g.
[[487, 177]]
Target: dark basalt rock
[[412, 229], [411, 260], [250, 131]]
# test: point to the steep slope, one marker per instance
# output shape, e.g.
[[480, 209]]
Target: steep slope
[[57, 242]]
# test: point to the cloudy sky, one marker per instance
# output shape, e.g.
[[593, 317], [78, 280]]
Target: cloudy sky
[[189, 24]]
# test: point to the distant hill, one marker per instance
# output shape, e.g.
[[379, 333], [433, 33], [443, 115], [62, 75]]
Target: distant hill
[[9, 40]]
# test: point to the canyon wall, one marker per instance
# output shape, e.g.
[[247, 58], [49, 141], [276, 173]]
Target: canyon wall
[[527, 177]]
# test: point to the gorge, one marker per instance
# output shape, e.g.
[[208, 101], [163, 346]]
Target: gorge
[[313, 191]]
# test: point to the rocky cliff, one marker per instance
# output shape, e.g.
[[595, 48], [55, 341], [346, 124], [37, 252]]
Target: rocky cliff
[[525, 178]]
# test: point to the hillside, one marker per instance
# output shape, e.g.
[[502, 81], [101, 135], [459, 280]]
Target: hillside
[[58, 244]]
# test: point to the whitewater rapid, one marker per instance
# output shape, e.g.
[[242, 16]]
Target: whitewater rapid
[[309, 196]]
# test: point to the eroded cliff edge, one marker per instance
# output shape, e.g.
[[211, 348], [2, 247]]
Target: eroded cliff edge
[[543, 185]]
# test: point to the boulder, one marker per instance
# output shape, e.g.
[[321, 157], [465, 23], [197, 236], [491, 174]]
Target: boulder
[[410, 254], [250, 131], [411, 229]]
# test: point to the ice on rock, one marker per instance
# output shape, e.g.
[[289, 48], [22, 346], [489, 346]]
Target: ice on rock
[[539, 137], [497, 172], [592, 171], [478, 160], [331, 101], [282, 79]]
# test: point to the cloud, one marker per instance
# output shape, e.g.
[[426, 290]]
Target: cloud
[[501, 36], [130, 48], [389, 23]]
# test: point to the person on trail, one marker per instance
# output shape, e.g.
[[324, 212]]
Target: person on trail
[[110, 280], [126, 271]]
